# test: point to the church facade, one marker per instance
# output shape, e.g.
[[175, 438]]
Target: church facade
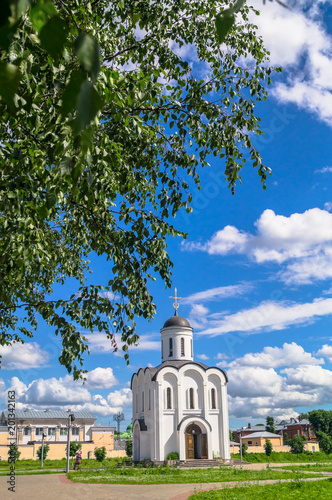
[[181, 405]]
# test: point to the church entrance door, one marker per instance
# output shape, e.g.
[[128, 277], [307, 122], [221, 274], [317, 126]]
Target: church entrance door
[[196, 442]]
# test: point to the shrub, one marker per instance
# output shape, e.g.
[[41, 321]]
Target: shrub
[[46, 450], [100, 454], [129, 448], [173, 456]]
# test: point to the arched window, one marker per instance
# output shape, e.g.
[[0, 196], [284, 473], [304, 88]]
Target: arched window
[[143, 401], [182, 346], [191, 398], [171, 347], [168, 398], [213, 399]]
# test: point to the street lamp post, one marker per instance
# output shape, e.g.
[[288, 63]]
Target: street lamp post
[[71, 418]]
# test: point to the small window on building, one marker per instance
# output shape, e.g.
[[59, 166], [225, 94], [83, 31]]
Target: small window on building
[[51, 431], [142, 401], [249, 442], [75, 431], [182, 346], [168, 398], [63, 432], [27, 431], [313, 448], [171, 347], [191, 398], [213, 399], [39, 431]]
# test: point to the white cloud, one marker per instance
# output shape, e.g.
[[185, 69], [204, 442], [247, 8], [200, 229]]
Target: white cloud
[[328, 206], [204, 357], [304, 241], [274, 357], [99, 343], [54, 391], [121, 398], [326, 352], [324, 170], [217, 293], [313, 377], [23, 356], [253, 382], [100, 378], [269, 316], [298, 41]]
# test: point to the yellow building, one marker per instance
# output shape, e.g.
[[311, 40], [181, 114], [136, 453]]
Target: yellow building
[[31, 425]]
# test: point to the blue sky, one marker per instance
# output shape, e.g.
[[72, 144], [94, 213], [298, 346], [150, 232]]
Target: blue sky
[[255, 271]]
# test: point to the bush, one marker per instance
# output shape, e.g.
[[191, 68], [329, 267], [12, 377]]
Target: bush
[[173, 456], [100, 454], [129, 448], [46, 450]]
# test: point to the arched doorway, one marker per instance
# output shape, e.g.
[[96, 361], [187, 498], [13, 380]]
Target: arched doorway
[[196, 442], [136, 443]]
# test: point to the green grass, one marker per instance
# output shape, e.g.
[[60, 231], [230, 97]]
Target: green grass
[[162, 475], [308, 467], [60, 464], [296, 490], [286, 456]]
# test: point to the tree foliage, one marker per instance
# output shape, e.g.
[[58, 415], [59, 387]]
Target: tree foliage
[[74, 447], [104, 127], [268, 448], [269, 427], [129, 447], [46, 450], [100, 454], [321, 421], [297, 444]]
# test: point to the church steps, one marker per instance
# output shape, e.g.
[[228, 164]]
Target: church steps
[[200, 464]]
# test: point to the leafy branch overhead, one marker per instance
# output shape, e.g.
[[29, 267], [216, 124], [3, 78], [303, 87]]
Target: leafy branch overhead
[[104, 127]]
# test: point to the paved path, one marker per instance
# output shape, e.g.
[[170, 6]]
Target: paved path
[[55, 487]]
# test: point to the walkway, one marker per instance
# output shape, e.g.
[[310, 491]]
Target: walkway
[[54, 486]]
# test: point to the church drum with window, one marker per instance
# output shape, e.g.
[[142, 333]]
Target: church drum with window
[[181, 405]]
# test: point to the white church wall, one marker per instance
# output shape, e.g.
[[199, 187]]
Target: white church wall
[[191, 379]]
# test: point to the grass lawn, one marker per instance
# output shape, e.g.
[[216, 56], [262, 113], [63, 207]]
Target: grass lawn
[[308, 467], [296, 490], [169, 475], [286, 456], [58, 464]]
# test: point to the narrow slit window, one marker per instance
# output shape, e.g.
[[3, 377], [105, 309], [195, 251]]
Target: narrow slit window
[[182, 346], [191, 398], [142, 401], [213, 399], [168, 398], [171, 347]]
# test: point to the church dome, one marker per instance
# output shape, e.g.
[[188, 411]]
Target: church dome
[[176, 321]]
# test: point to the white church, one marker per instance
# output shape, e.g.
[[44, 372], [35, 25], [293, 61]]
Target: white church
[[180, 405]]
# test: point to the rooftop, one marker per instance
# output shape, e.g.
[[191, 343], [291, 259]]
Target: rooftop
[[49, 414]]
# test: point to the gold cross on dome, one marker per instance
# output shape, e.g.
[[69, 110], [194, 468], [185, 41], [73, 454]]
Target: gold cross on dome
[[176, 305]]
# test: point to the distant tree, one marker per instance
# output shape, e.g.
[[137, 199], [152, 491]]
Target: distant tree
[[269, 427], [268, 448], [100, 454], [297, 444], [46, 450], [259, 425], [321, 421], [304, 416], [244, 449], [231, 436], [13, 453], [74, 447], [129, 448]]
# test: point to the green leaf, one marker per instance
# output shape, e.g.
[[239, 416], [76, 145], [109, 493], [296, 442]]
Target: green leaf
[[88, 53], [40, 13], [51, 200], [88, 105], [70, 95], [224, 23], [10, 77], [5, 12], [53, 36]]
